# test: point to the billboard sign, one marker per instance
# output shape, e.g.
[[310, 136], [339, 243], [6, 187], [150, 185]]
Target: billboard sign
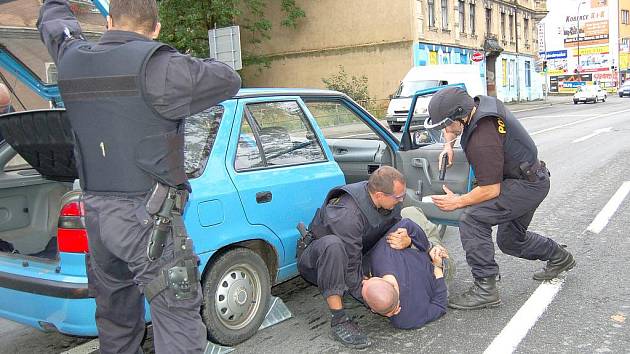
[[590, 20]]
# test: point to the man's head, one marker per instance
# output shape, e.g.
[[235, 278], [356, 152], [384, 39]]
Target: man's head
[[387, 187], [140, 16], [5, 99], [381, 296], [450, 109]]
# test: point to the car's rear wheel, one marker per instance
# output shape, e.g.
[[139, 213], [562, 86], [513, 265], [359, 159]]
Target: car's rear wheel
[[575, 102], [236, 293]]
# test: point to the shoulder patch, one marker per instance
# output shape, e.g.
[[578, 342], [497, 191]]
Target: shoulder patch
[[501, 126]]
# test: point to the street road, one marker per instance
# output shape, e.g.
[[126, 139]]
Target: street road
[[587, 149]]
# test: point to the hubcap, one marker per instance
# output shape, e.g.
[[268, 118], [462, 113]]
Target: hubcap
[[237, 299]]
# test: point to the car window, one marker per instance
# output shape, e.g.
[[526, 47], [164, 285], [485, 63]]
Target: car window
[[283, 133], [337, 121], [17, 163], [200, 133]]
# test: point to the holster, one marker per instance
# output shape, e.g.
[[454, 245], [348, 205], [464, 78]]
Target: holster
[[306, 237], [534, 171], [161, 204]]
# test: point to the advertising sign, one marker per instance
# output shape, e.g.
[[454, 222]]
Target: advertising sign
[[554, 54], [593, 59], [570, 83], [588, 25]]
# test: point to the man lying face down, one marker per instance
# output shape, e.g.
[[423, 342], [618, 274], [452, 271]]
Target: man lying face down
[[407, 285]]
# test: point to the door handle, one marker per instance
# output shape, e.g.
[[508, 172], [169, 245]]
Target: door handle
[[341, 151], [263, 197], [423, 163]]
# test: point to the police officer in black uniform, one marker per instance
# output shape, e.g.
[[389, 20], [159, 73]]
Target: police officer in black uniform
[[350, 222], [127, 97], [511, 183]]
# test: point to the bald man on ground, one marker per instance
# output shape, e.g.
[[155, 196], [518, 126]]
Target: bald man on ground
[[406, 285]]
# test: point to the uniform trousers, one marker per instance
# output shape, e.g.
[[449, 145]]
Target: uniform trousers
[[512, 211], [119, 228]]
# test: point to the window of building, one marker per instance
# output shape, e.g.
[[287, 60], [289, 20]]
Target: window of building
[[431, 13], [504, 79], [625, 14], [526, 30], [512, 34], [444, 14], [503, 25], [471, 15], [512, 75], [462, 16], [488, 21], [528, 78]]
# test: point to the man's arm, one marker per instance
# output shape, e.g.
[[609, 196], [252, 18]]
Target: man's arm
[[58, 27], [451, 201], [180, 85]]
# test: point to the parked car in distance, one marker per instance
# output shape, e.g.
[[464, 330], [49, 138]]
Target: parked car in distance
[[624, 90], [259, 163], [589, 93]]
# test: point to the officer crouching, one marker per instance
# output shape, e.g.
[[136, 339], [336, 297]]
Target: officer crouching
[[511, 183], [126, 97]]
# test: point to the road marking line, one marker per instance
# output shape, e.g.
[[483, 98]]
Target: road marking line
[[595, 133], [609, 209], [525, 318], [578, 122]]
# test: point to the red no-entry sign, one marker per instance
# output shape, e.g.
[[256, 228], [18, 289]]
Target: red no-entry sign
[[477, 56]]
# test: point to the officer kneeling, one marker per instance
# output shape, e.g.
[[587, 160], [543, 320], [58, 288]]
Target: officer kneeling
[[511, 183]]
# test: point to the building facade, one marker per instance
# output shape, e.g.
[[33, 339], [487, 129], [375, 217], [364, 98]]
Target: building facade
[[383, 40], [586, 42]]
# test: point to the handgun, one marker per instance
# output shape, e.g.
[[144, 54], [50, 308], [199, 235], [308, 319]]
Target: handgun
[[443, 164]]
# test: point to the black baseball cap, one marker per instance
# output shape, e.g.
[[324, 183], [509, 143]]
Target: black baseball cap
[[448, 105]]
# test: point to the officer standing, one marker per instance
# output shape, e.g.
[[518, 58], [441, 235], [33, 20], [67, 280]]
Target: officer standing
[[127, 97], [350, 222], [511, 183]]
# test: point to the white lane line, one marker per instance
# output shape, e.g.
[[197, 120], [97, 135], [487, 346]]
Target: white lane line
[[85, 348], [525, 318], [609, 209], [595, 133], [578, 122], [557, 116]]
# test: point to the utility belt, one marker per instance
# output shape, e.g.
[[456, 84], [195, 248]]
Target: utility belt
[[534, 172], [166, 205]]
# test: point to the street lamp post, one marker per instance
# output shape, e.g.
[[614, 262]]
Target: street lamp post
[[578, 36]]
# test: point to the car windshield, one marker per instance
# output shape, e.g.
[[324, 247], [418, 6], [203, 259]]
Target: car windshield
[[407, 89]]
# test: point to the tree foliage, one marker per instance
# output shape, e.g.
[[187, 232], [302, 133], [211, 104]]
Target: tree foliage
[[185, 23], [355, 87]]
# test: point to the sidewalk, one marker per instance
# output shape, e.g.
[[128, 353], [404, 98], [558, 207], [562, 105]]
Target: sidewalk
[[538, 104]]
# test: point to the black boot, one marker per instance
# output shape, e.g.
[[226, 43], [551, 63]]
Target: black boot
[[561, 261], [483, 293], [349, 334]]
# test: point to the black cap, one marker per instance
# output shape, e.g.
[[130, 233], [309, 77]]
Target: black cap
[[448, 105]]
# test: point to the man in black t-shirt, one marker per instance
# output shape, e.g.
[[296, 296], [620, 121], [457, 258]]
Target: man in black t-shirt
[[511, 183]]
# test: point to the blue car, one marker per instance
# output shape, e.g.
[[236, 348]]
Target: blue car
[[258, 164]]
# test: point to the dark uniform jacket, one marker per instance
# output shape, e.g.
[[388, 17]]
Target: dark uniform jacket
[[342, 216], [132, 103]]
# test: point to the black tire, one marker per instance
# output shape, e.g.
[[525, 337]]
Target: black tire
[[604, 99], [237, 273], [575, 102], [395, 128]]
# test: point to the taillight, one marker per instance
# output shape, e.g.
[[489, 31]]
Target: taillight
[[71, 233]]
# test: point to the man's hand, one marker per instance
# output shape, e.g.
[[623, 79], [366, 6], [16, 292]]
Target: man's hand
[[449, 152], [437, 254], [399, 239], [448, 202]]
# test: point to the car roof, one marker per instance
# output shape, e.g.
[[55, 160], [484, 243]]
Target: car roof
[[265, 92]]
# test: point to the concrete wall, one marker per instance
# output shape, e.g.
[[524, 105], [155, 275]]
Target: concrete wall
[[368, 37]]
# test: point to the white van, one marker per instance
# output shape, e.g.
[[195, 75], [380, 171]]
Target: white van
[[424, 77]]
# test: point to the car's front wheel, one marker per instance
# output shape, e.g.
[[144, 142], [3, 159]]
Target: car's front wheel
[[575, 102], [395, 128], [236, 294]]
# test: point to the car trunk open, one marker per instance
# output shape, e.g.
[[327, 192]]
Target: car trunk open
[[37, 172]]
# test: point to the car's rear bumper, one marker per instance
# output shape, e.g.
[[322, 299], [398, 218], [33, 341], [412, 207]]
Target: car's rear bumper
[[44, 287], [66, 309], [400, 119]]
